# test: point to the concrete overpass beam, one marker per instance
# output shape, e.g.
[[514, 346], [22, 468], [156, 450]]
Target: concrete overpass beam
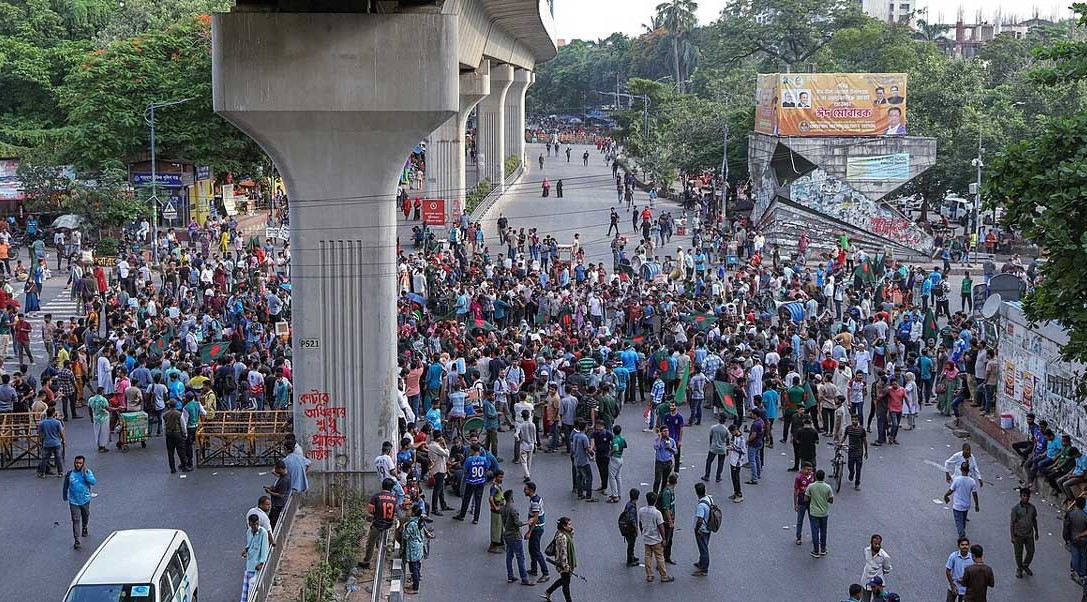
[[515, 113], [492, 126], [326, 96], [445, 152]]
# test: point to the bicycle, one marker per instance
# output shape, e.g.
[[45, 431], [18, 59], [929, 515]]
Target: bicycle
[[838, 466]]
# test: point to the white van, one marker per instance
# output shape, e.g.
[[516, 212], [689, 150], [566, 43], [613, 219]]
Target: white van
[[139, 565]]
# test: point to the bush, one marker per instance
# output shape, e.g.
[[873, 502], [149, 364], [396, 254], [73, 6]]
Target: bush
[[512, 163], [476, 195], [107, 247]]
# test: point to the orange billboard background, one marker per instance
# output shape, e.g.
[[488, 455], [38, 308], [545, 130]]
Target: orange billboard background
[[831, 104]]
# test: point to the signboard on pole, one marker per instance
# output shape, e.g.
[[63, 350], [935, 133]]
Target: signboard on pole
[[434, 212], [169, 210], [831, 104]]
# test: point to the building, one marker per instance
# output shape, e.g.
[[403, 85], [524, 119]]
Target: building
[[892, 11], [968, 38]]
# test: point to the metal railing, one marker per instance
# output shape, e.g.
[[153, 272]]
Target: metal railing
[[262, 582], [379, 566]]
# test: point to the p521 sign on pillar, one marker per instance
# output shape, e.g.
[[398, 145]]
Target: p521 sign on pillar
[[434, 212]]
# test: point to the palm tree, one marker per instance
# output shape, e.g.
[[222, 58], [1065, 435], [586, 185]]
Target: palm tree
[[678, 18], [930, 31]]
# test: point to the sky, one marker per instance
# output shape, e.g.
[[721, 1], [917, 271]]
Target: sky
[[593, 19]]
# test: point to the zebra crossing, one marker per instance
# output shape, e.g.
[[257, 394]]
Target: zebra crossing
[[62, 307]]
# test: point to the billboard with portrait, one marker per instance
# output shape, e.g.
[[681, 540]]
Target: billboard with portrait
[[832, 104]]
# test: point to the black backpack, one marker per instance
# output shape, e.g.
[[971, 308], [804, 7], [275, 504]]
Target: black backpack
[[715, 517], [627, 520]]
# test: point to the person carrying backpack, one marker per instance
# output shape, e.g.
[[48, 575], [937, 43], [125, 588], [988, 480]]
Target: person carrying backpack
[[707, 520], [628, 525]]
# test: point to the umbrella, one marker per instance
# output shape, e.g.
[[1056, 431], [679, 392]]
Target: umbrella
[[285, 286], [68, 221], [416, 299]]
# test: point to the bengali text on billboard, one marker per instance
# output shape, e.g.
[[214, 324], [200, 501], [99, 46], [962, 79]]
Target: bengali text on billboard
[[831, 104]]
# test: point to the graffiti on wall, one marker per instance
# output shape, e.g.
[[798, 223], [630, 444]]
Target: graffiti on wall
[[821, 193]]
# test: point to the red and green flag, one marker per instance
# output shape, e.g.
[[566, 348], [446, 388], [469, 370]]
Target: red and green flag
[[701, 320], [726, 392], [214, 351], [929, 329], [158, 346], [681, 388], [809, 395]]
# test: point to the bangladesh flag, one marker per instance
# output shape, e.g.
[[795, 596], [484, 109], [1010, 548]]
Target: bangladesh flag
[[638, 340], [809, 396], [726, 393], [929, 329], [159, 345], [566, 317], [702, 320], [213, 351], [877, 298], [862, 274], [483, 325], [681, 389]]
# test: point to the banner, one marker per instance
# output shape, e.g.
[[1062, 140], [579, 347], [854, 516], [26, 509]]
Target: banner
[[880, 168], [831, 104], [434, 212]]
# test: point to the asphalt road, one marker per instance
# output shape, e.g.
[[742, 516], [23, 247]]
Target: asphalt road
[[135, 491], [754, 556]]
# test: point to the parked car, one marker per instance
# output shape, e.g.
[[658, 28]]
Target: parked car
[[145, 565]]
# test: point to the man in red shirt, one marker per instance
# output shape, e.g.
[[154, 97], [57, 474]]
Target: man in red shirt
[[895, 396], [829, 365], [800, 501], [22, 330]]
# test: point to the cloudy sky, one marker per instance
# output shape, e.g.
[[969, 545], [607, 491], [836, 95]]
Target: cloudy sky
[[592, 19]]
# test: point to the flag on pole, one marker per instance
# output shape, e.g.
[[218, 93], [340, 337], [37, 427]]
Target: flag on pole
[[159, 345], [726, 392], [681, 388]]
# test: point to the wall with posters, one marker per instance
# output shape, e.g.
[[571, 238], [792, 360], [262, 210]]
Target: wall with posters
[[831, 104], [1033, 378], [10, 187]]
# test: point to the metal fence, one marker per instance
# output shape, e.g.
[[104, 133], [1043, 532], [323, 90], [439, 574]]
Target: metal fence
[[262, 582]]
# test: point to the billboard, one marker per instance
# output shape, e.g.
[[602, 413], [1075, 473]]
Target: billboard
[[831, 104], [10, 186], [878, 168]]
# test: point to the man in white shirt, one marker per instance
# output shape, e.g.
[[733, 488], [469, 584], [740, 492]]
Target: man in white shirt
[[384, 464], [951, 465], [261, 510], [651, 526]]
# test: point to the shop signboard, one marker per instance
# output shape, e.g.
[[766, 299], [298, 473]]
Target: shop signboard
[[434, 212]]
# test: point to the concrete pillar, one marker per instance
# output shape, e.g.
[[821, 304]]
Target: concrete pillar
[[515, 113], [325, 96], [445, 152], [492, 125]]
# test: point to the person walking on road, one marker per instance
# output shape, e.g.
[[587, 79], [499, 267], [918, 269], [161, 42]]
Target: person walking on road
[[719, 441], [613, 222], [877, 563], [737, 449], [977, 577], [1024, 532], [820, 496], [475, 476], [77, 492], [702, 530], [537, 520], [175, 437], [963, 488], [99, 408], [651, 526], [513, 540], [857, 440], [255, 553], [800, 499], [565, 558], [51, 432], [957, 562], [1074, 535], [628, 525]]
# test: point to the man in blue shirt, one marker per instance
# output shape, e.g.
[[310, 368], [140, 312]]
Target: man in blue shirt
[[77, 492], [51, 432], [490, 423], [582, 453], [925, 365], [664, 450], [475, 477]]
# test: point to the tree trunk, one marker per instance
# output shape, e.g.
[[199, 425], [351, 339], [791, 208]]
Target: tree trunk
[[675, 63]]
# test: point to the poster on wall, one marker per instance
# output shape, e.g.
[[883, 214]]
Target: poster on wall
[[1027, 380], [1009, 379], [878, 168], [832, 104]]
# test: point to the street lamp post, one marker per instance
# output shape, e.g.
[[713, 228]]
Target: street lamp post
[[979, 165], [149, 118]]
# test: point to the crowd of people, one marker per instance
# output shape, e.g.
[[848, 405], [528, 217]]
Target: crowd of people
[[539, 342]]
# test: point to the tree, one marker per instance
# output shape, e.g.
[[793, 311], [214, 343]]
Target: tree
[[930, 32], [678, 18], [106, 96], [1041, 182], [787, 32]]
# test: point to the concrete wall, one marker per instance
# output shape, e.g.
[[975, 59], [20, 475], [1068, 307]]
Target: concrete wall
[[1032, 375]]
